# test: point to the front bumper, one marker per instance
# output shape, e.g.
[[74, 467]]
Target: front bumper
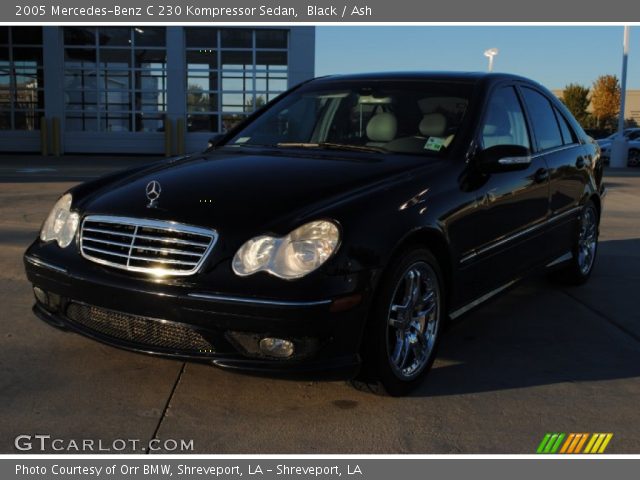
[[189, 324]]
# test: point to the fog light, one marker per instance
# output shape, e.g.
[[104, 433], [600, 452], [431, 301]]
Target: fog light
[[41, 296], [276, 347]]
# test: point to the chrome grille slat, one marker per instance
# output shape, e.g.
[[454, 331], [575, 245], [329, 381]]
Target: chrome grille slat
[[142, 245], [138, 247], [148, 237], [142, 259]]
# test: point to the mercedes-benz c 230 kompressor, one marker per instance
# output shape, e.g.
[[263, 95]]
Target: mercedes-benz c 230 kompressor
[[337, 228]]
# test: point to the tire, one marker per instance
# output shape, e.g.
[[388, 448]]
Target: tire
[[634, 158], [578, 270], [404, 327]]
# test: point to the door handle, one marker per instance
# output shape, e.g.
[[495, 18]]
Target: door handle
[[580, 162], [542, 175]]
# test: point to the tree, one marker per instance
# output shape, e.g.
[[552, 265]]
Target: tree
[[576, 98], [605, 100]]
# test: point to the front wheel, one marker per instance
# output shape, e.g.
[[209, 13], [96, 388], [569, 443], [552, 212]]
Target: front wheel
[[634, 158], [579, 268], [404, 329]]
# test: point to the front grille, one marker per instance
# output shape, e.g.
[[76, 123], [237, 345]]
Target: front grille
[[139, 331], [149, 246]]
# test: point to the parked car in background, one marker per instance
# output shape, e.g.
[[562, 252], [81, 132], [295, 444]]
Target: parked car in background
[[633, 158], [629, 134], [338, 228]]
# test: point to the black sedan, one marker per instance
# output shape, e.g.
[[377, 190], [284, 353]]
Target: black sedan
[[337, 229]]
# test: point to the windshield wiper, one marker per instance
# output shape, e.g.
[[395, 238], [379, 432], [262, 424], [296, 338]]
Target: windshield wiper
[[332, 146]]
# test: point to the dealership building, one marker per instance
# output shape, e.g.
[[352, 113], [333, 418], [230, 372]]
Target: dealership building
[[144, 89]]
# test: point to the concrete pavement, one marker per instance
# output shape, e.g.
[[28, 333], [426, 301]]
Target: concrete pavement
[[542, 358]]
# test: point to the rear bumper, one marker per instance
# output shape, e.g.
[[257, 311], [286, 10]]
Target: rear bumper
[[200, 326]]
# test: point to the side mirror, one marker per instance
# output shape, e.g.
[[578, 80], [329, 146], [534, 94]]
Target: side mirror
[[503, 158], [213, 141]]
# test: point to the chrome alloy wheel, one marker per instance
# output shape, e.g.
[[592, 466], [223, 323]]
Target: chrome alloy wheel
[[413, 321], [587, 241]]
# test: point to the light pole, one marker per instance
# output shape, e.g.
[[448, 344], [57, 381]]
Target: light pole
[[492, 52], [619, 146]]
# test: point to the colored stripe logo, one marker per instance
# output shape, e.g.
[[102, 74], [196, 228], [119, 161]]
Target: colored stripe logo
[[574, 443]]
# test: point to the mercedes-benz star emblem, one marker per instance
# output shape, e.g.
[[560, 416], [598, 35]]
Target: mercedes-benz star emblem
[[153, 192]]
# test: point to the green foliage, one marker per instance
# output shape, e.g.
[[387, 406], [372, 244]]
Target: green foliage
[[576, 98]]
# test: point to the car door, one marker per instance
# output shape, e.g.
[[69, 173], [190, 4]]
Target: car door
[[566, 160], [510, 208]]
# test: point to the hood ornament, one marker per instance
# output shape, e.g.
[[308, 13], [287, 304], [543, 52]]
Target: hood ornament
[[153, 191]]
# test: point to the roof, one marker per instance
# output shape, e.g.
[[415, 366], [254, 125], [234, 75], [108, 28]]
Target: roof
[[426, 75]]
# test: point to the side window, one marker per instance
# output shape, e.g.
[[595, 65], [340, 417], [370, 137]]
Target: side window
[[544, 121], [568, 136], [504, 122]]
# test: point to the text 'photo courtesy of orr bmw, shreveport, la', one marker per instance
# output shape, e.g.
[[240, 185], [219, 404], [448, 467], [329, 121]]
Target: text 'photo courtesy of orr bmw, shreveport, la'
[[337, 229]]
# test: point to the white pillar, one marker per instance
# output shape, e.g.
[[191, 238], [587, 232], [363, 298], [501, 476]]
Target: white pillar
[[619, 147]]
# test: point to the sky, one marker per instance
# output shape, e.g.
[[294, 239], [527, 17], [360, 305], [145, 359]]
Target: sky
[[554, 56]]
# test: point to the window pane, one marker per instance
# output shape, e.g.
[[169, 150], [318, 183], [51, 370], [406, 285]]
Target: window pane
[[150, 36], [79, 35], [4, 58], [28, 120], [115, 80], [237, 102], [111, 58], [80, 79], [116, 123], [4, 89], [202, 82], [116, 101], [28, 99], [202, 123], [150, 102], [149, 123], [28, 78], [568, 136], [271, 39], [201, 37], [237, 82], [251, 103], [80, 100], [236, 38], [115, 36], [27, 56], [150, 58], [271, 60], [204, 59], [545, 126], [231, 120], [81, 123], [504, 123], [79, 57], [26, 35], [4, 35], [151, 80], [198, 101], [268, 83], [237, 60], [5, 120]]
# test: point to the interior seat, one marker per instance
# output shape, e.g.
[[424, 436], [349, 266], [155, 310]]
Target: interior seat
[[431, 125], [381, 129]]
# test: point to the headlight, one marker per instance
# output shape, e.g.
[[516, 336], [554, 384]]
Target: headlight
[[297, 254], [61, 224]]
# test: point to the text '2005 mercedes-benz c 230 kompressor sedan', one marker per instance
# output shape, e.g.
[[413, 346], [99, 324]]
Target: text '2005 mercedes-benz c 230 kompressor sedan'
[[337, 229]]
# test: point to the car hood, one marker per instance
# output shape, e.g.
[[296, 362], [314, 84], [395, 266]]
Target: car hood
[[245, 191]]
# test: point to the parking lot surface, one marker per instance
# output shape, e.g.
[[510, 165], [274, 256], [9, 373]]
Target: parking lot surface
[[542, 358]]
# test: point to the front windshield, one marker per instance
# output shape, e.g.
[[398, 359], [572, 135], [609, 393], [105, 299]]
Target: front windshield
[[419, 117]]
